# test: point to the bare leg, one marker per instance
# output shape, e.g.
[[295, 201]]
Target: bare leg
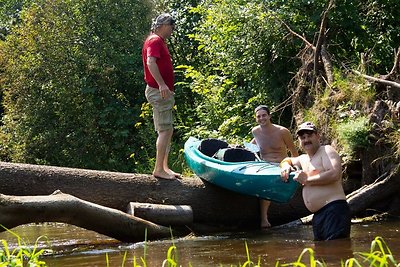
[[166, 167], [264, 206], [162, 145]]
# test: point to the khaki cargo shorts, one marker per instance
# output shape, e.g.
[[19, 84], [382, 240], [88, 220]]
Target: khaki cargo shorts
[[162, 109]]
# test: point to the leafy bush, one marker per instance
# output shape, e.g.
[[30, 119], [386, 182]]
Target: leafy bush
[[73, 83], [353, 134]]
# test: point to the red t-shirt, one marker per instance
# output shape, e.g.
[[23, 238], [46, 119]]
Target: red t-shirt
[[155, 46]]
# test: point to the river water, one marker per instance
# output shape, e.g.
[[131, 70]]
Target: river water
[[73, 246]]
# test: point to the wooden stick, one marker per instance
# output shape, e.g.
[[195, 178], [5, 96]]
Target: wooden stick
[[167, 215], [377, 80]]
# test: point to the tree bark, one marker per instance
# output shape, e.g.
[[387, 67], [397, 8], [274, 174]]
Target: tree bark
[[59, 207], [167, 215], [378, 80], [211, 205], [383, 188]]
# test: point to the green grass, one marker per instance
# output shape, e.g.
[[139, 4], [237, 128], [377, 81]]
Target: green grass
[[22, 255], [353, 134], [379, 256]]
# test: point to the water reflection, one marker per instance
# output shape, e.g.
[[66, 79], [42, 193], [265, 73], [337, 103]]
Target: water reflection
[[74, 246], [324, 250]]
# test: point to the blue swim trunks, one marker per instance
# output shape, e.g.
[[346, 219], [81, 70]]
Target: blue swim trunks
[[332, 221]]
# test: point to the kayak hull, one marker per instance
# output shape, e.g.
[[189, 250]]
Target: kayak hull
[[255, 178]]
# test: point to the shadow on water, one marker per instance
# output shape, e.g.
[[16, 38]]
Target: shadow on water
[[74, 246]]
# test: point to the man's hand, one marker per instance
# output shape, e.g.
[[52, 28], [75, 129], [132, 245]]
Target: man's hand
[[165, 92], [286, 168], [300, 177]]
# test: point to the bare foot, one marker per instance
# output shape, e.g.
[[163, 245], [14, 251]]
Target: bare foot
[[265, 225], [171, 172], [164, 175]]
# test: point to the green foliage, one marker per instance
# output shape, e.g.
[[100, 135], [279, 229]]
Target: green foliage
[[73, 83], [171, 260], [311, 259], [245, 56], [338, 112], [374, 34], [395, 137], [10, 14], [22, 254], [379, 255], [249, 262], [394, 141], [353, 134], [352, 89], [357, 29], [238, 43], [143, 154]]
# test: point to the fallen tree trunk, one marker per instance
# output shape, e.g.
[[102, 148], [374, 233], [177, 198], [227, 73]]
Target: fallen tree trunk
[[59, 207], [211, 205], [384, 187]]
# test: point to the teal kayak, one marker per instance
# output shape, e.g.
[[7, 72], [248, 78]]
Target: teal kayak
[[255, 178]]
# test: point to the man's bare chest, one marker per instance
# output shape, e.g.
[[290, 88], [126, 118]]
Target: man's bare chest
[[270, 142]]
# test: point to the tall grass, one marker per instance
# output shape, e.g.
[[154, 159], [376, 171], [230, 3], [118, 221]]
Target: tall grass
[[22, 254], [312, 261], [353, 134], [379, 256], [394, 139]]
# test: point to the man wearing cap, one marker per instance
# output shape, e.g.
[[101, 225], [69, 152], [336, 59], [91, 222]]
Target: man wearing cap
[[274, 142], [321, 176], [159, 77]]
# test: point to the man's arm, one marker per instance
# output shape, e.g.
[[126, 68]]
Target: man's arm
[[288, 139], [288, 165], [254, 132], [155, 72]]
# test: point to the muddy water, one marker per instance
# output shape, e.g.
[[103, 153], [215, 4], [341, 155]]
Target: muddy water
[[73, 246]]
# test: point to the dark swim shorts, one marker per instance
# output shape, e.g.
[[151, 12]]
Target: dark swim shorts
[[333, 221]]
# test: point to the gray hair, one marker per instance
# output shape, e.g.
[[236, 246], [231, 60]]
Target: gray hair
[[163, 19]]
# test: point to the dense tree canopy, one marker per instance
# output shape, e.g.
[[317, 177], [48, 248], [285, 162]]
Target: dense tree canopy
[[72, 81]]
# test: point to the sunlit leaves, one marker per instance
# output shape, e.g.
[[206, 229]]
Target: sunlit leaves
[[73, 82]]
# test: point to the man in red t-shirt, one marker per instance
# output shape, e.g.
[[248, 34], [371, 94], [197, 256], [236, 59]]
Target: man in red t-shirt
[[159, 77]]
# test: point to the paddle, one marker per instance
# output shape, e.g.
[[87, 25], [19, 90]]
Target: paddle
[[253, 148]]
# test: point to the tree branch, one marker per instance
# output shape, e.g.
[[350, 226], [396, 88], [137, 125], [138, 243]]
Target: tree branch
[[321, 36], [310, 45], [378, 80], [395, 65], [65, 208]]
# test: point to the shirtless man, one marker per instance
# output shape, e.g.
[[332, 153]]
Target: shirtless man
[[321, 177], [274, 141]]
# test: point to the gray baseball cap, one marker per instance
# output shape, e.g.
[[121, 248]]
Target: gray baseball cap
[[163, 19], [306, 126]]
